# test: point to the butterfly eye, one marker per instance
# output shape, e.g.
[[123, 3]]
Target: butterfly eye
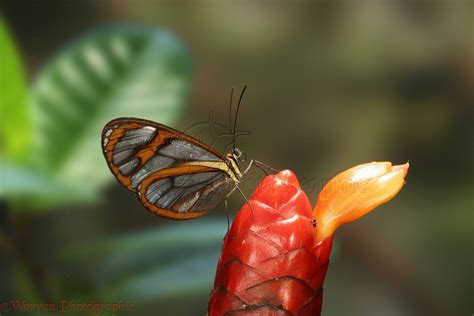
[[243, 157], [237, 153]]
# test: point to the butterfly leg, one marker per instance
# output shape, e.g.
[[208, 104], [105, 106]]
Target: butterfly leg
[[230, 193], [226, 206], [246, 199], [259, 165], [227, 216], [248, 167]]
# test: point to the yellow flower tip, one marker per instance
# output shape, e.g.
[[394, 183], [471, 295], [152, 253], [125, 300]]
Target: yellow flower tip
[[355, 192]]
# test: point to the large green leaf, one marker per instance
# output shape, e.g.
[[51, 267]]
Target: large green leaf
[[118, 71], [195, 234], [177, 279], [15, 130], [146, 265]]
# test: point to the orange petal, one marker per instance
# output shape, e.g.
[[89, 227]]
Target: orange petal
[[355, 192]]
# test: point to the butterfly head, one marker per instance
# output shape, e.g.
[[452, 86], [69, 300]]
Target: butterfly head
[[239, 155]]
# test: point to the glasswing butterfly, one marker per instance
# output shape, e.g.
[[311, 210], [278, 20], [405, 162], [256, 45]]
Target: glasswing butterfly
[[172, 174]]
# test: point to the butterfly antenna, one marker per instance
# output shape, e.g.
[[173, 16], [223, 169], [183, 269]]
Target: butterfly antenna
[[237, 114], [230, 108]]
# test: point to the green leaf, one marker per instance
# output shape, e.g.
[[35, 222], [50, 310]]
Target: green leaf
[[163, 263], [178, 279], [155, 263], [199, 233], [15, 131], [22, 184], [117, 71]]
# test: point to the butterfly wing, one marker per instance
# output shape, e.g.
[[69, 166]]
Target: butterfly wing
[[183, 192], [172, 174]]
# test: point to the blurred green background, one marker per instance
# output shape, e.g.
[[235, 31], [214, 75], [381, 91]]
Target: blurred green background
[[331, 84]]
